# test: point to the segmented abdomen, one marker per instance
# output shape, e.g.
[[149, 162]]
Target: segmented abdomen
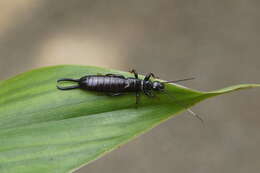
[[109, 84]]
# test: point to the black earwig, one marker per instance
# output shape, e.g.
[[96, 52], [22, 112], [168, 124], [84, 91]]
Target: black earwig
[[115, 85]]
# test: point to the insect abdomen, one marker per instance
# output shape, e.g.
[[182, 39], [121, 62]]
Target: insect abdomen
[[105, 84]]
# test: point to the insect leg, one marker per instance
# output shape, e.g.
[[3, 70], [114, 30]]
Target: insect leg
[[134, 72], [148, 76], [149, 93]]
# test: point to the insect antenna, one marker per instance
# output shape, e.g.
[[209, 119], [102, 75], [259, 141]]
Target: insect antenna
[[184, 106], [175, 81], [68, 87]]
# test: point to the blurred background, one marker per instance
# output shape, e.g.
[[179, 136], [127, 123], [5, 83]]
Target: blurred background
[[217, 41]]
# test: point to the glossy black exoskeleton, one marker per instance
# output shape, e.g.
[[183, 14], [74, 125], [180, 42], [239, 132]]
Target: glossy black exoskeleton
[[114, 84]]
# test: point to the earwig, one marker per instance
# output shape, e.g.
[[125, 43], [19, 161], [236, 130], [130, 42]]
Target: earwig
[[114, 85]]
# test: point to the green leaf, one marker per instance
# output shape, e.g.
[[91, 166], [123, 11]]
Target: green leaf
[[43, 129]]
